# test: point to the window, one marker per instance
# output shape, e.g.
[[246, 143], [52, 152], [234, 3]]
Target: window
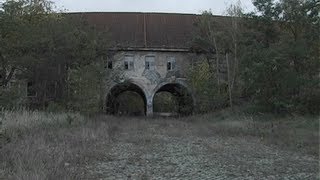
[[31, 90], [128, 63], [147, 65], [109, 65], [171, 63], [169, 66], [150, 63]]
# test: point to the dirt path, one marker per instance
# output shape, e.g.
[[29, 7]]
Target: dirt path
[[179, 150]]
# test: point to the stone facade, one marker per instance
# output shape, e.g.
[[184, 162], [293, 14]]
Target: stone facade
[[148, 72]]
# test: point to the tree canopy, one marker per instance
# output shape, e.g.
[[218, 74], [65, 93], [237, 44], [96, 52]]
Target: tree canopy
[[277, 50], [40, 44]]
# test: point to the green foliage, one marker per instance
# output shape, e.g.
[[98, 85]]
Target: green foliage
[[11, 96], [206, 35], [40, 45], [276, 49], [209, 95], [136, 105], [165, 102], [55, 107], [280, 70], [86, 88], [23, 34], [219, 39]]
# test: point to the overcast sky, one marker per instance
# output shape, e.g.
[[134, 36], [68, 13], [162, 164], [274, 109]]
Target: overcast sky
[[172, 6]]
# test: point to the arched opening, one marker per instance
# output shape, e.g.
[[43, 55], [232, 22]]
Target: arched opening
[[126, 99], [165, 102], [173, 100]]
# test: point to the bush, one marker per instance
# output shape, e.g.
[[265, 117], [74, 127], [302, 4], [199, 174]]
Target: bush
[[86, 88], [209, 94], [55, 107], [12, 97]]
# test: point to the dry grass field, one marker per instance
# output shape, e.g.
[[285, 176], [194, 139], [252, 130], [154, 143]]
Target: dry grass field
[[222, 145]]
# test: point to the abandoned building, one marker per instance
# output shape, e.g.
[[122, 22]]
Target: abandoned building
[[153, 50]]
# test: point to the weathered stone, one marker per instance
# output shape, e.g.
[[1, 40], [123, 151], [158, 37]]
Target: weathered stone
[[152, 72]]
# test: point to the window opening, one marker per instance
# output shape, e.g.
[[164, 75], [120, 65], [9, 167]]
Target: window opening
[[150, 63]]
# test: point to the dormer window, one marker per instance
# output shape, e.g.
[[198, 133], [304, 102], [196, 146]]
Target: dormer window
[[171, 63], [128, 63], [150, 63]]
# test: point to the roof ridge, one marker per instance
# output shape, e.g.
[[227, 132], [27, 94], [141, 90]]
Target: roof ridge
[[120, 12]]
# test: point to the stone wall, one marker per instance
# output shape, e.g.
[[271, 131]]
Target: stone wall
[[166, 69]]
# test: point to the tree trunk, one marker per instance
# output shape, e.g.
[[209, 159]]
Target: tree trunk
[[217, 64], [44, 98], [212, 39], [7, 78], [235, 65], [229, 81]]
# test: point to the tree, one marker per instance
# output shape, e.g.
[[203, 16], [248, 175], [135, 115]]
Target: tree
[[40, 45], [206, 40], [207, 90], [273, 51], [219, 39], [19, 37], [234, 30], [281, 65]]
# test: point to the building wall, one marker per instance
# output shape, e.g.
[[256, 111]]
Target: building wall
[[150, 81], [182, 60]]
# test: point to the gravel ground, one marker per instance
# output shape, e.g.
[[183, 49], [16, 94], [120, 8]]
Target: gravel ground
[[181, 150]]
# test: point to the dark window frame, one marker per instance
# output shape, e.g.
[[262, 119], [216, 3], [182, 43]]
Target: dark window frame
[[147, 65], [150, 62], [171, 63], [129, 63], [109, 64]]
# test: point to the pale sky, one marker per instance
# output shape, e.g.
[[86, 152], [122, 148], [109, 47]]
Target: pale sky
[[170, 6]]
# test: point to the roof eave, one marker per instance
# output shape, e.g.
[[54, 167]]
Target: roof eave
[[151, 49]]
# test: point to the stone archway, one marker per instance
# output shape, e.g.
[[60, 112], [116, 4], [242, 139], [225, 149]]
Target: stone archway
[[112, 105], [183, 95]]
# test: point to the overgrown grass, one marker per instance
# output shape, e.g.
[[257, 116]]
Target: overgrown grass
[[292, 132], [40, 145]]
